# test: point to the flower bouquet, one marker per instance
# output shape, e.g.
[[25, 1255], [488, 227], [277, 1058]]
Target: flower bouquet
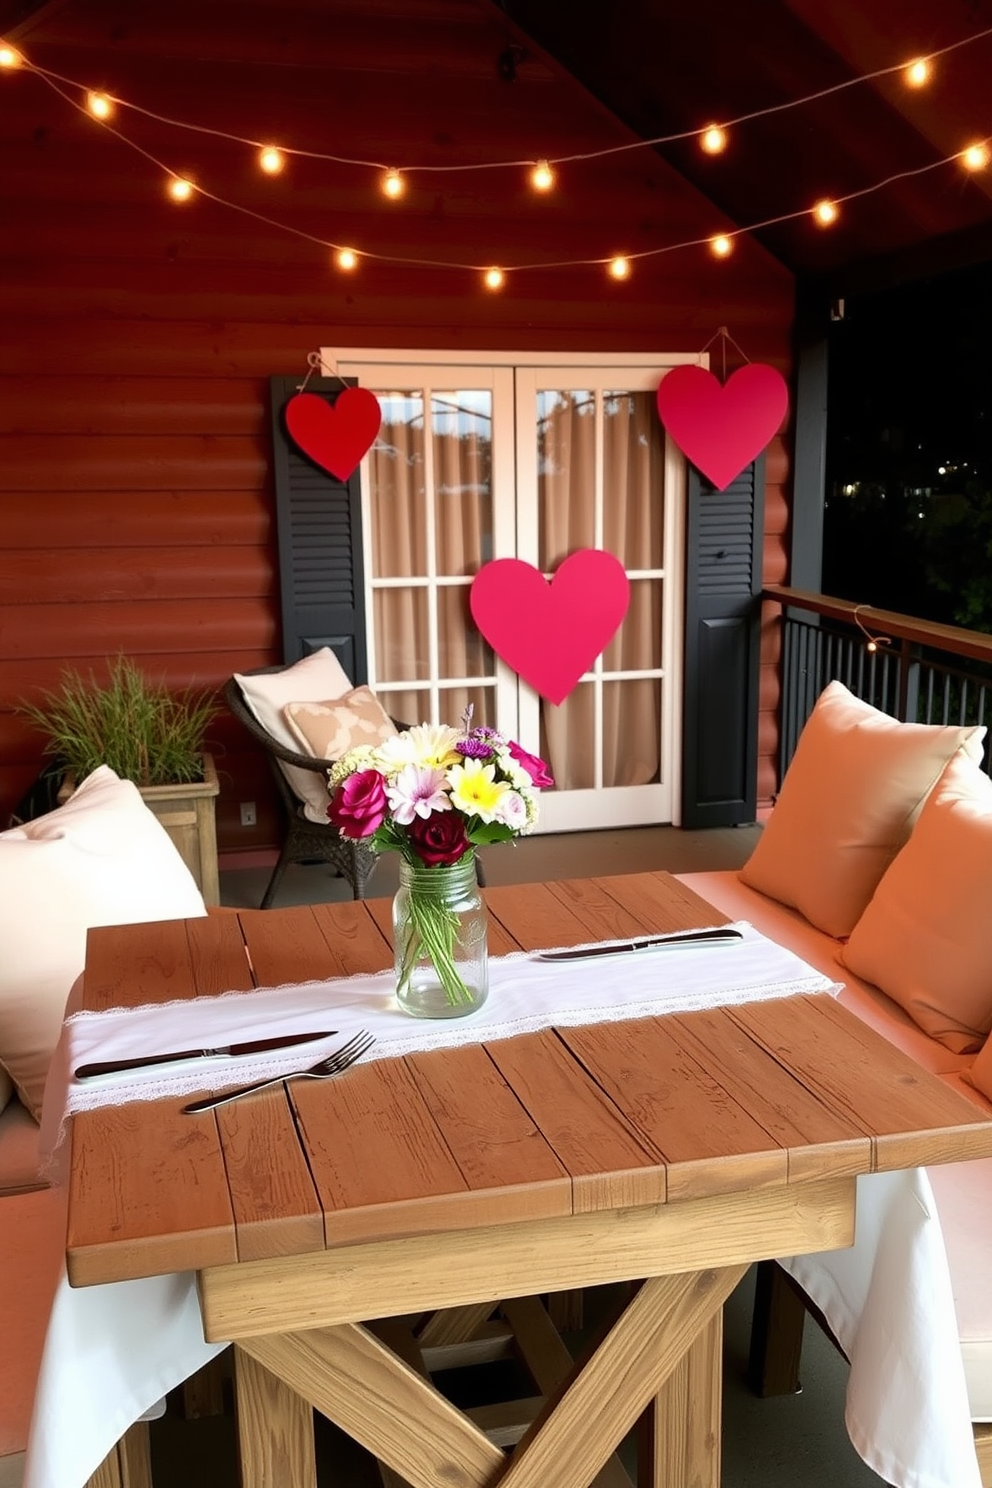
[[433, 794]]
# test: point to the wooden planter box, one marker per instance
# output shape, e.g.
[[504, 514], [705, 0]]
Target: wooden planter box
[[188, 814]]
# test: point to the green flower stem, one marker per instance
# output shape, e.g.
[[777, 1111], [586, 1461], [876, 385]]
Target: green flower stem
[[433, 928]]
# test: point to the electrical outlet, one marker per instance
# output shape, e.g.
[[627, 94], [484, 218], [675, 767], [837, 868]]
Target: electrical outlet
[[247, 813]]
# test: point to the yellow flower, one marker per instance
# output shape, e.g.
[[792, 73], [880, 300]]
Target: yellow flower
[[475, 790], [428, 744]]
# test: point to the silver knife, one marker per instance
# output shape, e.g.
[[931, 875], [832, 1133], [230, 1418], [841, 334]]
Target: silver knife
[[722, 935], [232, 1051]]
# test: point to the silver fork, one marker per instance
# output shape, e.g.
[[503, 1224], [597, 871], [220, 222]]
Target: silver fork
[[332, 1064]]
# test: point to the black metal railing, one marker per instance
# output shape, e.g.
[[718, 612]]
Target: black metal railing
[[915, 670]]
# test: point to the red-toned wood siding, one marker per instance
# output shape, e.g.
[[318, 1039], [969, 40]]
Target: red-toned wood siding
[[136, 507]]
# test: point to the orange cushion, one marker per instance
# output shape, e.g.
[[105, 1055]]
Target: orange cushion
[[926, 936], [980, 1073], [847, 805]]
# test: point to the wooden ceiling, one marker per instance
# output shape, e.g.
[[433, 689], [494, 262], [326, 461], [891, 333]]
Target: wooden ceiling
[[667, 66], [664, 67]]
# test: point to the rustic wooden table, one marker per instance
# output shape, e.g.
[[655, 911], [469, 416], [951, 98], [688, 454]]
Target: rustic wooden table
[[668, 1152]]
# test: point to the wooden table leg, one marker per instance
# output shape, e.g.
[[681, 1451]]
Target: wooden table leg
[[275, 1429], [679, 1435], [350, 1375], [129, 1464]]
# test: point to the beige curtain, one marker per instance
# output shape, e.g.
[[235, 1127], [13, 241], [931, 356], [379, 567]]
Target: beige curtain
[[632, 527]]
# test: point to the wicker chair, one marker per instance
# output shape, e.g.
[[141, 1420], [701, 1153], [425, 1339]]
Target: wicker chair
[[305, 841]]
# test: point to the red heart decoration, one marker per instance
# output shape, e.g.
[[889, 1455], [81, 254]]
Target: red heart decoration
[[334, 435], [550, 633], [721, 427]]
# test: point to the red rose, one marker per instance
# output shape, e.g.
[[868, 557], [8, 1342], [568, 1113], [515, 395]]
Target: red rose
[[540, 776], [358, 806], [439, 839]]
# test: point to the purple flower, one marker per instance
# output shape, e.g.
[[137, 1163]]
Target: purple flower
[[472, 748], [358, 806], [540, 775]]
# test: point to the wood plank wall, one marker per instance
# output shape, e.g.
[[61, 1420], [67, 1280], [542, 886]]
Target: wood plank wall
[[135, 483]]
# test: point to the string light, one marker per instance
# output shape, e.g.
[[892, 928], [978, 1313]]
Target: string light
[[347, 259], [180, 189], [99, 105], [271, 160], [917, 74], [872, 642], [393, 185], [713, 140], [542, 177], [620, 267], [975, 157], [494, 279]]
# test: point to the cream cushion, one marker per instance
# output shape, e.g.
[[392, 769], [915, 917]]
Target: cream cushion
[[847, 805], [313, 679], [329, 730], [101, 859], [926, 937]]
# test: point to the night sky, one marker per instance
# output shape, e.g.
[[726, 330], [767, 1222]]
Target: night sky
[[910, 392]]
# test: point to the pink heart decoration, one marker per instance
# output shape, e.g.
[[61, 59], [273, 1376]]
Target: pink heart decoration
[[721, 427], [337, 435], [550, 633]]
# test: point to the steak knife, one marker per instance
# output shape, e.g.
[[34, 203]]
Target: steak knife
[[253, 1046], [721, 935]]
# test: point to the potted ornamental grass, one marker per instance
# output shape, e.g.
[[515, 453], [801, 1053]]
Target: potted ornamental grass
[[146, 734]]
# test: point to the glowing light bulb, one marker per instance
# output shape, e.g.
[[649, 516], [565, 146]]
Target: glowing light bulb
[[872, 646], [620, 267], [393, 185], [917, 73], [99, 105], [494, 278], [713, 140], [542, 177], [976, 157], [180, 189], [824, 213], [271, 160], [721, 245], [346, 258], [9, 56]]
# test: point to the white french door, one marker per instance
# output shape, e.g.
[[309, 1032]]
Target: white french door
[[481, 457]]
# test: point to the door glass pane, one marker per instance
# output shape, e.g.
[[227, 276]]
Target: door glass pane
[[566, 475], [461, 650], [637, 644], [396, 488], [633, 479], [401, 635], [454, 701], [632, 732], [462, 426], [567, 739]]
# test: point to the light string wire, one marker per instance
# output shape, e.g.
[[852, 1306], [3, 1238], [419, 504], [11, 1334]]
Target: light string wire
[[59, 85], [484, 165]]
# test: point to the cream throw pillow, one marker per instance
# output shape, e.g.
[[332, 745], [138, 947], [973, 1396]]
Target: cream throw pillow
[[926, 936], [329, 730], [313, 679], [101, 859], [848, 803]]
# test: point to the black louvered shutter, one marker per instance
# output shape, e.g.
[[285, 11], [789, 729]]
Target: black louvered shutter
[[320, 545], [724, 537]]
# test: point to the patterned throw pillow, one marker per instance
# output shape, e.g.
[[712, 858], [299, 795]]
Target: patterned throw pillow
[[329, 730]]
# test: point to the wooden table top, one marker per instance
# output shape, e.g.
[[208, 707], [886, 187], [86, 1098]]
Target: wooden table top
[[549, 1126]]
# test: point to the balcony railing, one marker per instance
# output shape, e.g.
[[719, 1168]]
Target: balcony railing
[[914, 670]]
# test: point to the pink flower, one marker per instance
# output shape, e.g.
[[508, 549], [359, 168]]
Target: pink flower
[[438, 840], [358, 806], [540, 775]]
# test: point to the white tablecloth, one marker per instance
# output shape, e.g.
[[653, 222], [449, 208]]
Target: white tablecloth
[[112, 1351]]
